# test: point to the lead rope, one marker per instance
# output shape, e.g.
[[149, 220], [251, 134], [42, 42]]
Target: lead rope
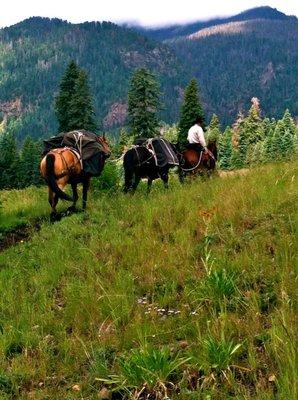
[[78, 137]]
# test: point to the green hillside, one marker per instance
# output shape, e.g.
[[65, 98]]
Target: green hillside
[[185, 294], [253, 54], [236, 61], [34, 55]]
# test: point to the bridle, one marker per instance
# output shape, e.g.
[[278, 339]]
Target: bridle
[[101, 140]]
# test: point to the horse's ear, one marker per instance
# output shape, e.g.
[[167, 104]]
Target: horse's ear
[[104, 135]]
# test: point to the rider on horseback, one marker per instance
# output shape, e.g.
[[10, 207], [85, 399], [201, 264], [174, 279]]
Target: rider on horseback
[[196, 137]]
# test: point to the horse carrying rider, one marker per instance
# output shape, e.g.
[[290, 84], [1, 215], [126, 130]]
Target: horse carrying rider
[[196, 137]]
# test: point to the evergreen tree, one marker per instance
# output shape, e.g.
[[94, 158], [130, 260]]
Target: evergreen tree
[[253, 123], [235, 159], [9, 162], [277, 140], [123, 143], [191, 110], [81, 112], [143, 104], [29, 163], [287, 144], [225, 149], [236, 127], [63, 100], [289, 123], [267, 128], [268, 153], [213, 131], [243, 145]]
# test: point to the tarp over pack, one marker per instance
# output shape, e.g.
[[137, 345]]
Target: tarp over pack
[[84, 142], [163, 152]]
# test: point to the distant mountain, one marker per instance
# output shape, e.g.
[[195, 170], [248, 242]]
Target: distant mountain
[[34, 55], [175, 31], [254, 53]]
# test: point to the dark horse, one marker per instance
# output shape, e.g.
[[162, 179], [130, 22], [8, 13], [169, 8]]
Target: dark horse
[[62, 166], [194, 162], [139, 163]]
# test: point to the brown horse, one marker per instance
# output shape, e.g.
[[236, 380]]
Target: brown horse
[[194, 163], [62, 166]]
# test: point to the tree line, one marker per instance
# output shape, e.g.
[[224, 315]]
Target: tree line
[[251, 139]]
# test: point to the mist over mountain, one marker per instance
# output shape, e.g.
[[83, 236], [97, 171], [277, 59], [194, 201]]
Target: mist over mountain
[[251, 54], [177, 30]]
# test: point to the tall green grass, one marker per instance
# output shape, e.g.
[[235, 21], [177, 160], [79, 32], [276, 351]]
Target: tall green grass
[[187, 293]]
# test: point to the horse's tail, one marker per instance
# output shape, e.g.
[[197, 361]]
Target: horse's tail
[[51, 180]]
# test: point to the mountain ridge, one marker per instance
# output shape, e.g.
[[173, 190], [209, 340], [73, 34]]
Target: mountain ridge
[[231, 69], [177, 30]]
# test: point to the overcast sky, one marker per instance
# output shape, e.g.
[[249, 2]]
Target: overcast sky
[[145, 12]]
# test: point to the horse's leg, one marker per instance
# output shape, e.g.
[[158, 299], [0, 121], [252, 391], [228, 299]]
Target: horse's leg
[[136, 181], [53, 201], [75, 195], [86, 182], [128, 180], [164, 175], [149, 185], [181, 175], [166, 181]]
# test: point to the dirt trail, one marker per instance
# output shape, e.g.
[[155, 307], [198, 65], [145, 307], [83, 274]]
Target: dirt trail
[[24, 233], [18, 235]]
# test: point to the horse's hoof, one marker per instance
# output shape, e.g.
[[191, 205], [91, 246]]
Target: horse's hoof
[[53, 216], [71, 210]]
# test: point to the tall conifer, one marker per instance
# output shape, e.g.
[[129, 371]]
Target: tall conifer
[[63, 100], [81, 112], [143, 104], [190, 111]]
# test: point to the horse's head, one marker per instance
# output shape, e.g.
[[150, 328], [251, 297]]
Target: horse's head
[[213, 148], [210, 157], [105, 145]]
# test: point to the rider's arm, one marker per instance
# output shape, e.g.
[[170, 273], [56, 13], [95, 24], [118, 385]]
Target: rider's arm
[[201, 137]]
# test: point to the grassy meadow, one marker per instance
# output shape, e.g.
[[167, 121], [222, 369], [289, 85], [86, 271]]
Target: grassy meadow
[[183, 294]]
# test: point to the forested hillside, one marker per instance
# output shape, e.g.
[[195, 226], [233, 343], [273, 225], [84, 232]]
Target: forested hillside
[[236, 61], [35, 52], [253, 54]]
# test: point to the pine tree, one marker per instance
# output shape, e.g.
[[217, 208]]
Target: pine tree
[[267, 128], [9, 162], [143, 104], [277, 140], [225, 149], [213, 131], [123, 143], [243, 146], [287, 145], [29, 163], [253, 123], [191, 110], [289, 123], [63, 100], [81, 112], [268, 154]]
